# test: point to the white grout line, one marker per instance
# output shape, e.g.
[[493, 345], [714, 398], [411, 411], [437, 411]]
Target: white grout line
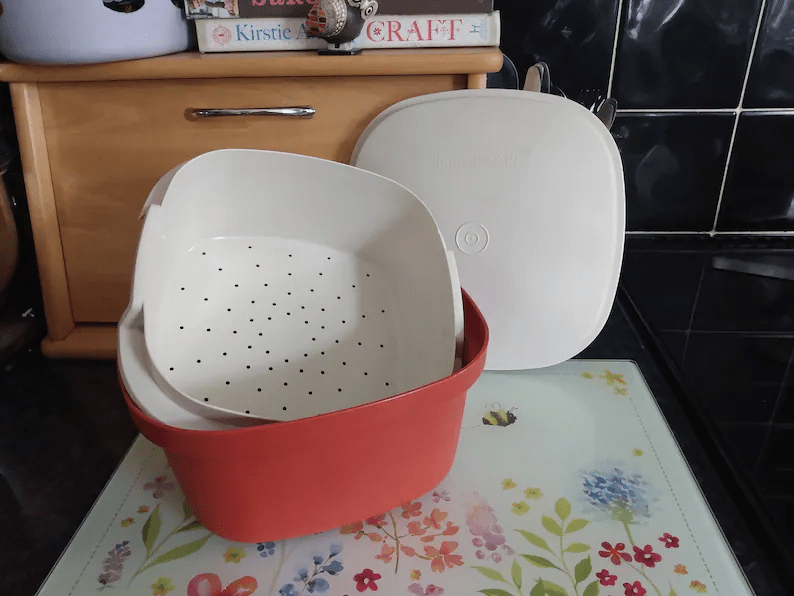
[[634, 232], [614, 49], [709, 233], [725, 174], [752, 53], [738, 113], [653, 111], [776, 111]]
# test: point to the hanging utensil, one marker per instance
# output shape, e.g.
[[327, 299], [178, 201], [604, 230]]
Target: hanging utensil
[[607, 111]]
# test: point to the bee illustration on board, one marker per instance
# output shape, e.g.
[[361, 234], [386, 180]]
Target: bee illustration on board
[[497, 416]]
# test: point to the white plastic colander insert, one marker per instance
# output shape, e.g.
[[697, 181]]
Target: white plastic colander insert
[[277, 286]]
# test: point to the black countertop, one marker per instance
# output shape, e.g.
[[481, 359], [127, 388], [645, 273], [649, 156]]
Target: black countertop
[[64, 429]]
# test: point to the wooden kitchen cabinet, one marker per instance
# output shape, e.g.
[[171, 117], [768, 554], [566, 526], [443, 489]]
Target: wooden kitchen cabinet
[[95, 139]]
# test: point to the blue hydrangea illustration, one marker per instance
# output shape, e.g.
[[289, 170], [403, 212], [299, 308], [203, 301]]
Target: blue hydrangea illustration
[[333, 567], [624, 496], [310, 581], [266, 548], [317, 585]]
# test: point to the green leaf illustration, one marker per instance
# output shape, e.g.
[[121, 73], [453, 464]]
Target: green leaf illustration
[[554, 589], [592, 589], [577, 547], [538, 589], [576, 524], [515, 573], [539, 561], [490, 573], [563, 509], [672, 592], [582, 570], [186, 510], [180, 552], [151, 530], [194, 525], [551, 525], [535, 539], [495, 592]]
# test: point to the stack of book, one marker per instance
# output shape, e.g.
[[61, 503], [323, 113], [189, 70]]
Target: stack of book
[[269, 25]]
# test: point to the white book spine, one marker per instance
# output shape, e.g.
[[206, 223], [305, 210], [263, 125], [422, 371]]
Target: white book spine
[[380, 31]]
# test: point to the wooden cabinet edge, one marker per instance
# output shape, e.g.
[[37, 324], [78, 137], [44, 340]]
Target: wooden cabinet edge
[[477, 80], [84, 342], [426, 61], [42, 209]]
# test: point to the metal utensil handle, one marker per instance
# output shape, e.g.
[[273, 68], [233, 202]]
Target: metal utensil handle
[[290, 112]]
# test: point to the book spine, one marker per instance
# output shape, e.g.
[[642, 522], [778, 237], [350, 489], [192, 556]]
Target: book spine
[[380, 31], [258, 9]]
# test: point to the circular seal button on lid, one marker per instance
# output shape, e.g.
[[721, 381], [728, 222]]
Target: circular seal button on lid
[[527, 189]]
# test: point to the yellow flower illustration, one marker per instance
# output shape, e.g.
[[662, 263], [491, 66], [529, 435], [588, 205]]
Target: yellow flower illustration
[[637, 452], [520, 508], [416, 574], [588, 375], [697, 586], [143, 509], [680, 569], [125, 523], [162, 586], [533, 493], [612, 378], [234, 554], [508, 483], [621, 391]]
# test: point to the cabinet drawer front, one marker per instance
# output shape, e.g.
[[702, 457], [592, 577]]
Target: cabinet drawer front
[[110, 142]]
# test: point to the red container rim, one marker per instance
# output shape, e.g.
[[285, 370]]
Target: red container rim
[[215, 443]]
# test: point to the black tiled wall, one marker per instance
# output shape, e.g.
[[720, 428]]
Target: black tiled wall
[[705, 95], [724, 310], [705, 128]]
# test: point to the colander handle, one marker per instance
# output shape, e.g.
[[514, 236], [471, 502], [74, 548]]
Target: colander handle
[[290, 112]]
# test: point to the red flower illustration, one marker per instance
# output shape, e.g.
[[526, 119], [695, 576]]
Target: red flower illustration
[[160, 485], [440, 495], [378, 520], [634, 589], [415, 528], [443, 557], [451, 529], [646, 556], [386, 552], [356, 528], [606, 578], [614, 554], [435, 518], [669, 540], [412, 510], [366, 580], [209, 584], [408, 551]]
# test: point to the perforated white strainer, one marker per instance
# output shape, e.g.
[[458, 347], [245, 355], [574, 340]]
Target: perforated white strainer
[[278, 286]]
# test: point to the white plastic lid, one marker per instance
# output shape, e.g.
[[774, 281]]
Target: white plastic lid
[[528, 189]]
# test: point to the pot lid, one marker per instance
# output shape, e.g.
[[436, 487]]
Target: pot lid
[[528, 189]]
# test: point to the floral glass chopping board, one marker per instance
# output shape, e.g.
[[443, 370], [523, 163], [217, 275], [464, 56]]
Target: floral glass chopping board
[[567, 482]]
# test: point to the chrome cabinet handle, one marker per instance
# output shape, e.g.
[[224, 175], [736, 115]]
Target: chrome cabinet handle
[[290, 112]]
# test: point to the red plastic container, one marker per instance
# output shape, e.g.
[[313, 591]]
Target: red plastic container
[[294, 478]]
